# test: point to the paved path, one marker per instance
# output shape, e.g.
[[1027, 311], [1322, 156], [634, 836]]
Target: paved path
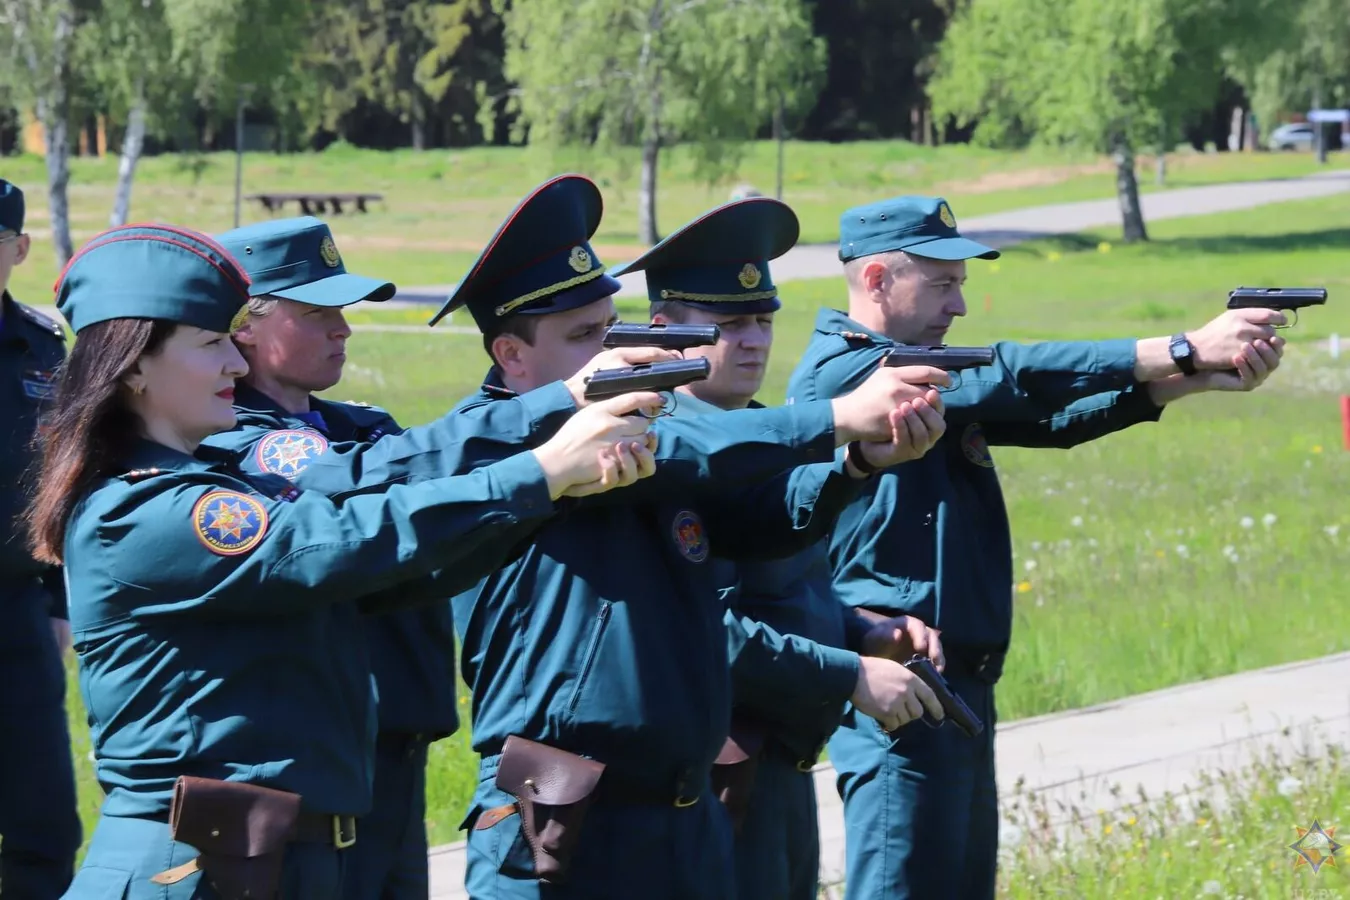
[[1008, 228], [1160, 742]]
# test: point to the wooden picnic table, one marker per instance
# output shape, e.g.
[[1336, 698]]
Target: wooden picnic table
[[314, 202]]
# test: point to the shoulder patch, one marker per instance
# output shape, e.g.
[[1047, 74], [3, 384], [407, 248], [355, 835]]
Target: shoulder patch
[[690, 538], [288, 453], [44, 322], [229, 523], [976, 447]]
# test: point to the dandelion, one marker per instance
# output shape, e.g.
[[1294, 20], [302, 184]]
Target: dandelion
[[1076, 521], [1159, 554], [1023, 587], [1053, 256], [1131, 821], [1246, 521], [1104, 247], [1268, 519], [993, 267], [1030, 565], [1182, 551], [1317, 448], [1288, 786], [1108, 829]]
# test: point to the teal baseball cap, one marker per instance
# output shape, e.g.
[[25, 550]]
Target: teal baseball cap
[[720, 261], [540, 261], [152, 272], [920, 226], [11, 207], [297, 259]]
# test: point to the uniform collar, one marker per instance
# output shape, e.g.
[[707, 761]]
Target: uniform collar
[[148, 454], [249, 398], [12, 323], [832, 321]]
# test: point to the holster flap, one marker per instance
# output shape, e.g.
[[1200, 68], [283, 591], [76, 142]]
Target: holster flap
[[555, 777], [232, 819]]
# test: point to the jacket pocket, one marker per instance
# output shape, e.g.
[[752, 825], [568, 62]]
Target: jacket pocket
[[588, 661]]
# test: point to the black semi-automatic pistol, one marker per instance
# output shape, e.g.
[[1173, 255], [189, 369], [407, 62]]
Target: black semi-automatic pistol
[[1292, 299], [956, 710], [663, 377], [667, 337]]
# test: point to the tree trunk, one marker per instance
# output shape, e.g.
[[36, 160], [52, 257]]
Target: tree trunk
[[132, 143], [53, 109], [1160, 174], [1127, 192], [651, 150], [419, 123], [779, 137]]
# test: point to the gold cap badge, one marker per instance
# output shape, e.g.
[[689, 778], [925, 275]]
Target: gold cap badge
[[945, 214], [580, 260], [749, 277], [329, 253]]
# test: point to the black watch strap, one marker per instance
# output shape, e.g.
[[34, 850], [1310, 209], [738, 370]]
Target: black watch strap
[[1183, 353], [855, 456]]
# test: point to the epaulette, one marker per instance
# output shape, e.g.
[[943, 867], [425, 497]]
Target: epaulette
[[44, 322], [140, 474], [856, 336]]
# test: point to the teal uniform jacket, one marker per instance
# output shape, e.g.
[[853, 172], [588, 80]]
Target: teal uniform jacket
[[216, 616], [32, 348], [411, 650], [930, 538], [605, 636], [791, 643]]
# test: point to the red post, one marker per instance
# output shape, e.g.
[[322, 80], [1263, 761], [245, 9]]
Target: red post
[[1345, 421]]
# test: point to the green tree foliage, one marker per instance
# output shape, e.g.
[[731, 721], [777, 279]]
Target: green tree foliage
[[709, 73], [1105, 74], [1312, 67]]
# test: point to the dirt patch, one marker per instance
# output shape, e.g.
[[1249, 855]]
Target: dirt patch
[[1024, 178]]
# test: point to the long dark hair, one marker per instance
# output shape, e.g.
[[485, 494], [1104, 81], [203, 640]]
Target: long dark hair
[[90, 428]]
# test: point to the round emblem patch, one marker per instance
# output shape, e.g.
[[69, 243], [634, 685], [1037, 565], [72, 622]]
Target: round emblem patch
[[976, 447], [750, 276], [229, 523], [945, 214], [689, 536], [580, 260], [288, 453], [329, 253]]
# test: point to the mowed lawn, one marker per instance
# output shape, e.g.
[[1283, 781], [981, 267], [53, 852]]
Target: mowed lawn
[[1211, 542]]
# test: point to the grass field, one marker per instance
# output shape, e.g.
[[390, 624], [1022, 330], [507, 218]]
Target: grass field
[[1229, 839], [1212, 542], [442, 206]]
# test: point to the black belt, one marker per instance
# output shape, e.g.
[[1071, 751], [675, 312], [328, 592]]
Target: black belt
[[621, 790], [320, 828], [776, 748]]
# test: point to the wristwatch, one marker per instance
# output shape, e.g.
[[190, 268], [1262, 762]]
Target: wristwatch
[[1183, 353]]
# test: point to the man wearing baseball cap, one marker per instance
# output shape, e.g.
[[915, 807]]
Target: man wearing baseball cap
[[930, 539]]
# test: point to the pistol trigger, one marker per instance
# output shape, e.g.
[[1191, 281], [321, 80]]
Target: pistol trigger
[[1291, 324]]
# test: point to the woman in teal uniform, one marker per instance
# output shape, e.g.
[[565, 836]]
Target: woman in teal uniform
[[215, 614]]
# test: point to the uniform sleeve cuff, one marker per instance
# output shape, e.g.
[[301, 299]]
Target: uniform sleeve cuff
[[548, 407], [1118, 356], [521, 481], [839, 671], [815, 429]]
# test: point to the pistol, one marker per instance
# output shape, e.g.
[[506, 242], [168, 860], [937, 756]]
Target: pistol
[[659, 376], [667, 337], [950, 359], [958, 713], [1292, 299]]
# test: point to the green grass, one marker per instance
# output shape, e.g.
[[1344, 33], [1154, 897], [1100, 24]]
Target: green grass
[[1231, 838], [442, 206], [1113, 605]]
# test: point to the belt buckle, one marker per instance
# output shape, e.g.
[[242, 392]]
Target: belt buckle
[[685, 802], [340, 840]]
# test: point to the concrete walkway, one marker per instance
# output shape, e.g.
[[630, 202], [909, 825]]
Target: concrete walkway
[[1098, 759], [1008, 228]]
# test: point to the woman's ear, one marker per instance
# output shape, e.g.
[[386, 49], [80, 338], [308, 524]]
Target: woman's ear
[[134, 381]]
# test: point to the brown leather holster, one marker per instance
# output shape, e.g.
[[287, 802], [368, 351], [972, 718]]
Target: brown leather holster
[[240, 832], [553, 791], [733, 772]]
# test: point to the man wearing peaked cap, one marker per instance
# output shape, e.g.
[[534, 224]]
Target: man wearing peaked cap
[[39, 822], [931, 539], [597, 656], [795, 649]]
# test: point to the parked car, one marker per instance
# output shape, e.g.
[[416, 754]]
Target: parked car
[[1292, 136]]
